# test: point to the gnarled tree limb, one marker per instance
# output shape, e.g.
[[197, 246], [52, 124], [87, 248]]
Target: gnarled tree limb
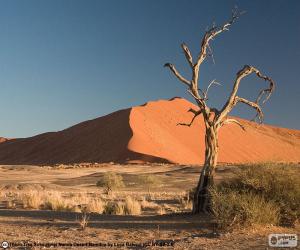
[[196, 113], [210, 84], [213, 32], [177, 74], [187, 54], [232, 100], [229, 120], [254, 105]]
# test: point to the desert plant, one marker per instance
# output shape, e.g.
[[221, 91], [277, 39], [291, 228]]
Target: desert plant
[[148, 204], [215, 118], [32, 199], [233, 209], [83, 221], [10, 204], [274, 182], [56, 202], [116, 208], [95, 206], [111, 181], [161, 210], [185, 202], [148, 181], [132, 206]]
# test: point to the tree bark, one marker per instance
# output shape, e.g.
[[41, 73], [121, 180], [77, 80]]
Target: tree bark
[[201, 196]]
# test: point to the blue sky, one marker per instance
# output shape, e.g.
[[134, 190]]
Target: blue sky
[[66, 61]]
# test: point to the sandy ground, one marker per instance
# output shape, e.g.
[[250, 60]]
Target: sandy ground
[[181, 230]]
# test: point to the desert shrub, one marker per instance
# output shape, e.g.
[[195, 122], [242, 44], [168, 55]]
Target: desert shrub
[[261, 193], [83, 221], [233, 209], [148, 181], [278, 183], [116, 208], [111, 182], [132, 206]]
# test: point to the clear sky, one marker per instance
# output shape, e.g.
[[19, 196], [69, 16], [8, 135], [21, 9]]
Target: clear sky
[[66, 61]]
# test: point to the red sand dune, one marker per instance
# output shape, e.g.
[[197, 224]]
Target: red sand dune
[[149, 133], [2, 139]]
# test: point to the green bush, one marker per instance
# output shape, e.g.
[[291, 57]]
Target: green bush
[[111, 182], [268, 193]]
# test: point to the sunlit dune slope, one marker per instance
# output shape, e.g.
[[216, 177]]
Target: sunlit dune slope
[[149, 133]]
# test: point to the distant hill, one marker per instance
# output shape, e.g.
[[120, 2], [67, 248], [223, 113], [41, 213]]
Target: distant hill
[[149, 133]]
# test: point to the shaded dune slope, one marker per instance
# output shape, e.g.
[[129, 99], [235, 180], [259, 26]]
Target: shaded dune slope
[[103, 139], [149, 133]]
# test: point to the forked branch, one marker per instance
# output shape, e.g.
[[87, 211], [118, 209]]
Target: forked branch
[[204, 51], [196, 113], [212, 33], [259, 112], [234, 99], [205, 93]]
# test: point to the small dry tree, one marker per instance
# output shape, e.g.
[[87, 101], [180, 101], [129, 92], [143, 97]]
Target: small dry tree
[[83, 221], [214, 118]]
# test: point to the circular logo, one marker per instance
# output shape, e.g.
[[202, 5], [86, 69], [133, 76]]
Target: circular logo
[[273, 240], [4, 244]]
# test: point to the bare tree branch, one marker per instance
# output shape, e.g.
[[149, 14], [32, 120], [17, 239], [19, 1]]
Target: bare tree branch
[[197, 98], [232, 100], [177, 74], [228, 121], [259, 115], [196, 113], [193, 84], [187, 54], [268, 91], [213, 32], [211, 54], [209, 85]]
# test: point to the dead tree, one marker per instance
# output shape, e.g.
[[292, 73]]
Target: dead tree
[[214, 118]]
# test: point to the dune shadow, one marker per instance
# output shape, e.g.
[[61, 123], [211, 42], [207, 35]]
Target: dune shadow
[[104, 139]]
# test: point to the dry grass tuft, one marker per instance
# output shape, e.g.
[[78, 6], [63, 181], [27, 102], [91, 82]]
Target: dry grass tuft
[[185, 202], [145, 204], [55, 201], [116, 208], [32, 199], [132, 206], [95, 206]]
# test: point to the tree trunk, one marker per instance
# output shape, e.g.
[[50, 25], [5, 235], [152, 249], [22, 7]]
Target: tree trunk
[[201, 196]]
